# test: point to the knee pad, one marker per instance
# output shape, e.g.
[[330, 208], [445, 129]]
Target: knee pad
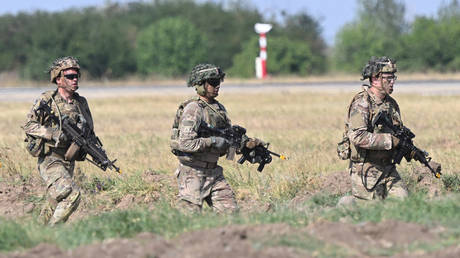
[[62, 188]]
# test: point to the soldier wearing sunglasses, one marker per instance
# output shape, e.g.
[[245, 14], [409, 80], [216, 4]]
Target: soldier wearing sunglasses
[[198, 175], [56, 154], [372, 144]]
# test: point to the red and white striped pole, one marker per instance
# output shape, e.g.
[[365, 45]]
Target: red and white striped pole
[[261, 61], [263, 53]]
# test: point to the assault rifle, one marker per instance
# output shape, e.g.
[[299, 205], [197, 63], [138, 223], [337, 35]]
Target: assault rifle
[[233, 134], [406, 147], [260, 154], [84, 139]]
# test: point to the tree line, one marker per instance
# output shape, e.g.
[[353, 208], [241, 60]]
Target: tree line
[[425, 44], [167, 38]]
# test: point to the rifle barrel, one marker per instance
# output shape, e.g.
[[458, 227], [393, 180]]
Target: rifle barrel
[[277, 155]]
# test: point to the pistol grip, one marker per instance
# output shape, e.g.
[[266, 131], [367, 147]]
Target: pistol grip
[[242, 159], [261, 167]]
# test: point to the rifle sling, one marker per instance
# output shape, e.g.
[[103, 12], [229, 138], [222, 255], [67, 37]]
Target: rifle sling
[[215, 111], [59, 114]]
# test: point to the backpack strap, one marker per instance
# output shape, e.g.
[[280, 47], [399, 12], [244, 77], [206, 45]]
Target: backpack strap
[[50, 97], [215, 111]]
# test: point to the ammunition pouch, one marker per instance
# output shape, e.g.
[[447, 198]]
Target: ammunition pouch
[[343, 148], [35, 145], [74, 152]]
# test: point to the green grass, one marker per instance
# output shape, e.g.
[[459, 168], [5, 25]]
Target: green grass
[[304, 126], [169, 222], [13, 236], [451, 183], [416, 209]]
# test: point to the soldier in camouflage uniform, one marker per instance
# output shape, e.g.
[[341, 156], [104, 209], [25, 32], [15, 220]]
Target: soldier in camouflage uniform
[[54, 164], [198, 175], [373, 173]]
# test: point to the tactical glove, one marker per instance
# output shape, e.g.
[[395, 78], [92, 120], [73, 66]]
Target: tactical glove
[[81, 122], [395, 141], [219, 143]]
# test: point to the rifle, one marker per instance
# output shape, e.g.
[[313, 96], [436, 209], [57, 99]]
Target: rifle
[[88, 144], [406, 147], [259, 154], [233, 134]]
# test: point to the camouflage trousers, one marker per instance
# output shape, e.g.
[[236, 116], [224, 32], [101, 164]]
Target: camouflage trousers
[[63, 195], [199, 184], [372, 181]]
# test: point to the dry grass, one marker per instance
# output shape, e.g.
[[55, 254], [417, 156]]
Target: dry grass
[[304, 126]]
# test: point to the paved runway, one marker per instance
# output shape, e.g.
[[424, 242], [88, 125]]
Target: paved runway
[[18, 94]]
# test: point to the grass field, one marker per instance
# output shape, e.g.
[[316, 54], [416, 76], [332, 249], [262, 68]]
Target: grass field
[[304, 126]]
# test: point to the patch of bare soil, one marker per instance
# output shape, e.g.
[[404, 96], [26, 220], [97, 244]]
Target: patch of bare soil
[[230, 241], [426, 181], [97, 200], [361, 240], [337, 183], [365, 238], [21, 196], [143, 245], [234, 241], [16, 194]]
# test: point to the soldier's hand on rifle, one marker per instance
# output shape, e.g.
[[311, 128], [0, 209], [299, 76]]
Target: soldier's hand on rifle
[[219, 143], [56, 135], [254, 142], [81, 122], [395, 141]]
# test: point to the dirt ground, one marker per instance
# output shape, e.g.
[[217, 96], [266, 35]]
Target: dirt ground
[[361, 240], [16, 194]]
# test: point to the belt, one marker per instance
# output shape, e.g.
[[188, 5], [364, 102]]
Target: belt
[[200, 164], [57, 152], [383, 161]]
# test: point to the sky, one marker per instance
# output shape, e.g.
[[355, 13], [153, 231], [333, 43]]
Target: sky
[[332, 14]]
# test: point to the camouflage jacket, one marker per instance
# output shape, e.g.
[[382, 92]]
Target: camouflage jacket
[[193, 140], [40, 125], [370, 141]]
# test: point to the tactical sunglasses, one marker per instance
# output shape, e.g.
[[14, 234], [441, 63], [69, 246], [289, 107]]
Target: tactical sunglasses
[[214, 82], [71, 76], [390, 78]]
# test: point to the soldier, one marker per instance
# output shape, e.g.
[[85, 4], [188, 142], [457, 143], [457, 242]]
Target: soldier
[[47, 141], [198, 175], [373, 174]]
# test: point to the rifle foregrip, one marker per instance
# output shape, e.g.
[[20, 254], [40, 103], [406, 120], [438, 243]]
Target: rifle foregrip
[[261, 167], [242, 159]]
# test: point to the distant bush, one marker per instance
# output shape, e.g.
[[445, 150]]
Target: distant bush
[[285, 56], [170, 47]]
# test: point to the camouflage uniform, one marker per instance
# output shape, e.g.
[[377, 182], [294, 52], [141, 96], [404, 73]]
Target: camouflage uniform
[[63, 194], [198, 175], [373, 174]]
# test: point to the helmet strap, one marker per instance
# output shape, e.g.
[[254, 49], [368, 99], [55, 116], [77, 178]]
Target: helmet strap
[[200, 89]]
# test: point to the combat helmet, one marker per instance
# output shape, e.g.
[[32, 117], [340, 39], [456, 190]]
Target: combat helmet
[[203, 72], [375, 66], [60, 64]]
